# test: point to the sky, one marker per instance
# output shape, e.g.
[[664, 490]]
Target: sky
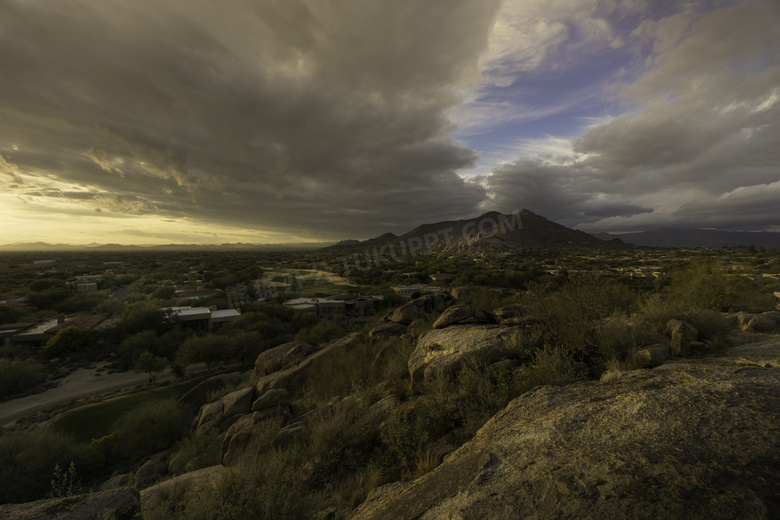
[[275, 121]]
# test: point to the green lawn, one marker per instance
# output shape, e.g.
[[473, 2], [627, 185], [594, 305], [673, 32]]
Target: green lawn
[[304, 284], [95, 421]]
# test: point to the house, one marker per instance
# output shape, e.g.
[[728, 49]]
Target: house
[[81, 287], [221, 317], [328, 307], [410, 292], [302, 304], [39, 333], [338, 304], [200, 319], [84, 283], [9, 330], [443, 277]]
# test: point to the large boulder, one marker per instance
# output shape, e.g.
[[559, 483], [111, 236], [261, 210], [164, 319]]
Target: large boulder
[[246, 429], [482, 316], [117, 504], [199, 395], [514, 310], [117, 481], [148, 473], [454, 314], [407, 313], [212, 415], [761, 323], [441, 352], [292, 378], [271, 399], [388, 329], [688, 439], [652, 356], [683, 334], [280, 357], [766, 322]]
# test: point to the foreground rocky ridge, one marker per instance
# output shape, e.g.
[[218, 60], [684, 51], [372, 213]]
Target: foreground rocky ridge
[[687, 439], [680, 438]]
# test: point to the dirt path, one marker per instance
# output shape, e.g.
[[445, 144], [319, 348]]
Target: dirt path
[[81, 384]]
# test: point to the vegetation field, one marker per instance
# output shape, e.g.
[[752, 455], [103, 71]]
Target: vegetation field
[[95, 421], [307, 282]]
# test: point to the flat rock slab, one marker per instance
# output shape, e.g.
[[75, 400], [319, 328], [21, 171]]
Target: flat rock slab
[[688, 439], [119, 503]]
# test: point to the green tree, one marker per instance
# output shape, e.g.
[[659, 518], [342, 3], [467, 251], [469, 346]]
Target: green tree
[[19, 375], [143, 315], [151, 364], [68, 340], [133, 346], [210, 349]]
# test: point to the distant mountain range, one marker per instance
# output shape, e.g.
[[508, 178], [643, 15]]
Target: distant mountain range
[[492, 232], [669, 237], [44, 247]]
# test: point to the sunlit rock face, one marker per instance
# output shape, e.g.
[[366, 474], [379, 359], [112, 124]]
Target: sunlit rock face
[[687, 439]]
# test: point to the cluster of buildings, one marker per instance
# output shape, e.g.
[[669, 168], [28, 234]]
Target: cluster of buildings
[[629, 272], [37, 334], [84, 283], [344, 304], [410, 292], [200, 319]]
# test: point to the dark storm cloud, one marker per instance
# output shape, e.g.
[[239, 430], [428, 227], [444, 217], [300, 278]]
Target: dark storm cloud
[[699, 147], [303, 116]]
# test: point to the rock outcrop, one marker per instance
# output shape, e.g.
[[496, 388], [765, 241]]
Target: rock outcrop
[[118, 504], [388, 329], [687, 439], [683, 334], [407, 313], [765, 322], [652, 356], [454, 314], [199, 395], [293, 377], [148, 473], [213, 415], [283, 356], [443, 351]]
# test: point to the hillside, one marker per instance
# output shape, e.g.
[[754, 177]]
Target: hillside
[[491, 232], [578, 399]]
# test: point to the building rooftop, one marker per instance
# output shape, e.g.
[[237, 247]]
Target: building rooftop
[[224, 313], [80, 321]]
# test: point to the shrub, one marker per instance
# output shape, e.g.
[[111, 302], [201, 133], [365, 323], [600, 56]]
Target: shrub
[[339, 374], [70, 340], [151, 427], [28, 459], [209, 349], [197, 451], [322, 332], [272, 484], [151, 364], [657, 310], [551, 366], [18, 376]]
